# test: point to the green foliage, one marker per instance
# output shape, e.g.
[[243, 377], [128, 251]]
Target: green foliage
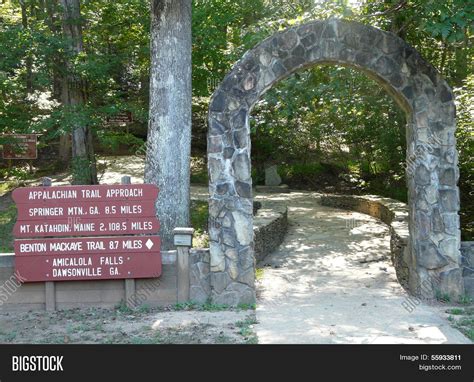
[[455, 311], [442, 297], [7, 221], [81, 170], [111, 141], [199, 221], [465, 145]]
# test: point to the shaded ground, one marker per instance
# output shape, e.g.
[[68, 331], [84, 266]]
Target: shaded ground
[[122, 326], [331, 281]]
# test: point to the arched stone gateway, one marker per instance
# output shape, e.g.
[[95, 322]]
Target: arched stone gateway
[[432, 255]]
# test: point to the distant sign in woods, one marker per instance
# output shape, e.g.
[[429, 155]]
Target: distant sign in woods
[[121, 118], [87, 211], [20, 146]]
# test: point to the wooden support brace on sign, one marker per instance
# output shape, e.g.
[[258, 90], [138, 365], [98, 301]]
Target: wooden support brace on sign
[[183, 240], [49, 286], [130, 289]]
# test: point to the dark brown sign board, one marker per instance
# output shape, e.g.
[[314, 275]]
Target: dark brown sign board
[[39, 196], [89, 245], [24, 146], [86, 227], [58, 210], [88, 266], [105, 210], [121, 118]]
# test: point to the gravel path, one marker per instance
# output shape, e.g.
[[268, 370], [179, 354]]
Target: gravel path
[[331, 281]]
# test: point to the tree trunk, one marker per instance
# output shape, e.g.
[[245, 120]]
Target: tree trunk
[[28, 60], [169, 129], [59, 80], [73, 97]]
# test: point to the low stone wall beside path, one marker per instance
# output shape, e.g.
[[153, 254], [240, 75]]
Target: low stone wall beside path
[[395, 215]]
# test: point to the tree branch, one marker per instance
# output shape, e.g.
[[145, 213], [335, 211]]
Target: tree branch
[[395, 8]]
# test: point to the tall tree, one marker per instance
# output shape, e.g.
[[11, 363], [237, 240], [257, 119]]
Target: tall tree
[[74, 97], [169, 128]]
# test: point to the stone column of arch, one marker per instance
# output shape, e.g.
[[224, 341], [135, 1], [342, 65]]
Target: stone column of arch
[[433, 254]]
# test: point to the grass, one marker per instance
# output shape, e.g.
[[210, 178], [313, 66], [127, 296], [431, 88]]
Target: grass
[[442, 297], [259, 273], [246, 329], [465, 300], [463, 320], [199, 171], [455, 311], [206, 307], [210, 307]]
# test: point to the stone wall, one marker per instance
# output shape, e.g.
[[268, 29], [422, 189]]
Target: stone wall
[[395, 215], [467, 251], [200, 278], [270, 226], [392, 213]]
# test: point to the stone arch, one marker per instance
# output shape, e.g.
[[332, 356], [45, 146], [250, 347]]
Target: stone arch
[[432, 255]]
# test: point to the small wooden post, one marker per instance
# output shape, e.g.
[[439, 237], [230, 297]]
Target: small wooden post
[[49, 286], [130, 288], [183, 240]]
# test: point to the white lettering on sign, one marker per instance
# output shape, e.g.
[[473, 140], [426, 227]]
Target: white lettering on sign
[[132, 244], [57, 194], [90, 194], [35, 247], [77, 272], [142, 226], [75, 211], [24, 228], [131, 209], [45, 211], [124, 192], [95, 245], [111, 260], [71, 262], [114, 226], [84, 227], [65, 246], [51, 228]]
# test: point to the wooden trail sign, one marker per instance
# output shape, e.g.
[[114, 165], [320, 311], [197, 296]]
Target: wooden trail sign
[[23, 147], [121, 118], [67, 211], [88, 266]]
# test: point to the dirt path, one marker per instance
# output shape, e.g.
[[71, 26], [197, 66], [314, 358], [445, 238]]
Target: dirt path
[[331, 281]]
